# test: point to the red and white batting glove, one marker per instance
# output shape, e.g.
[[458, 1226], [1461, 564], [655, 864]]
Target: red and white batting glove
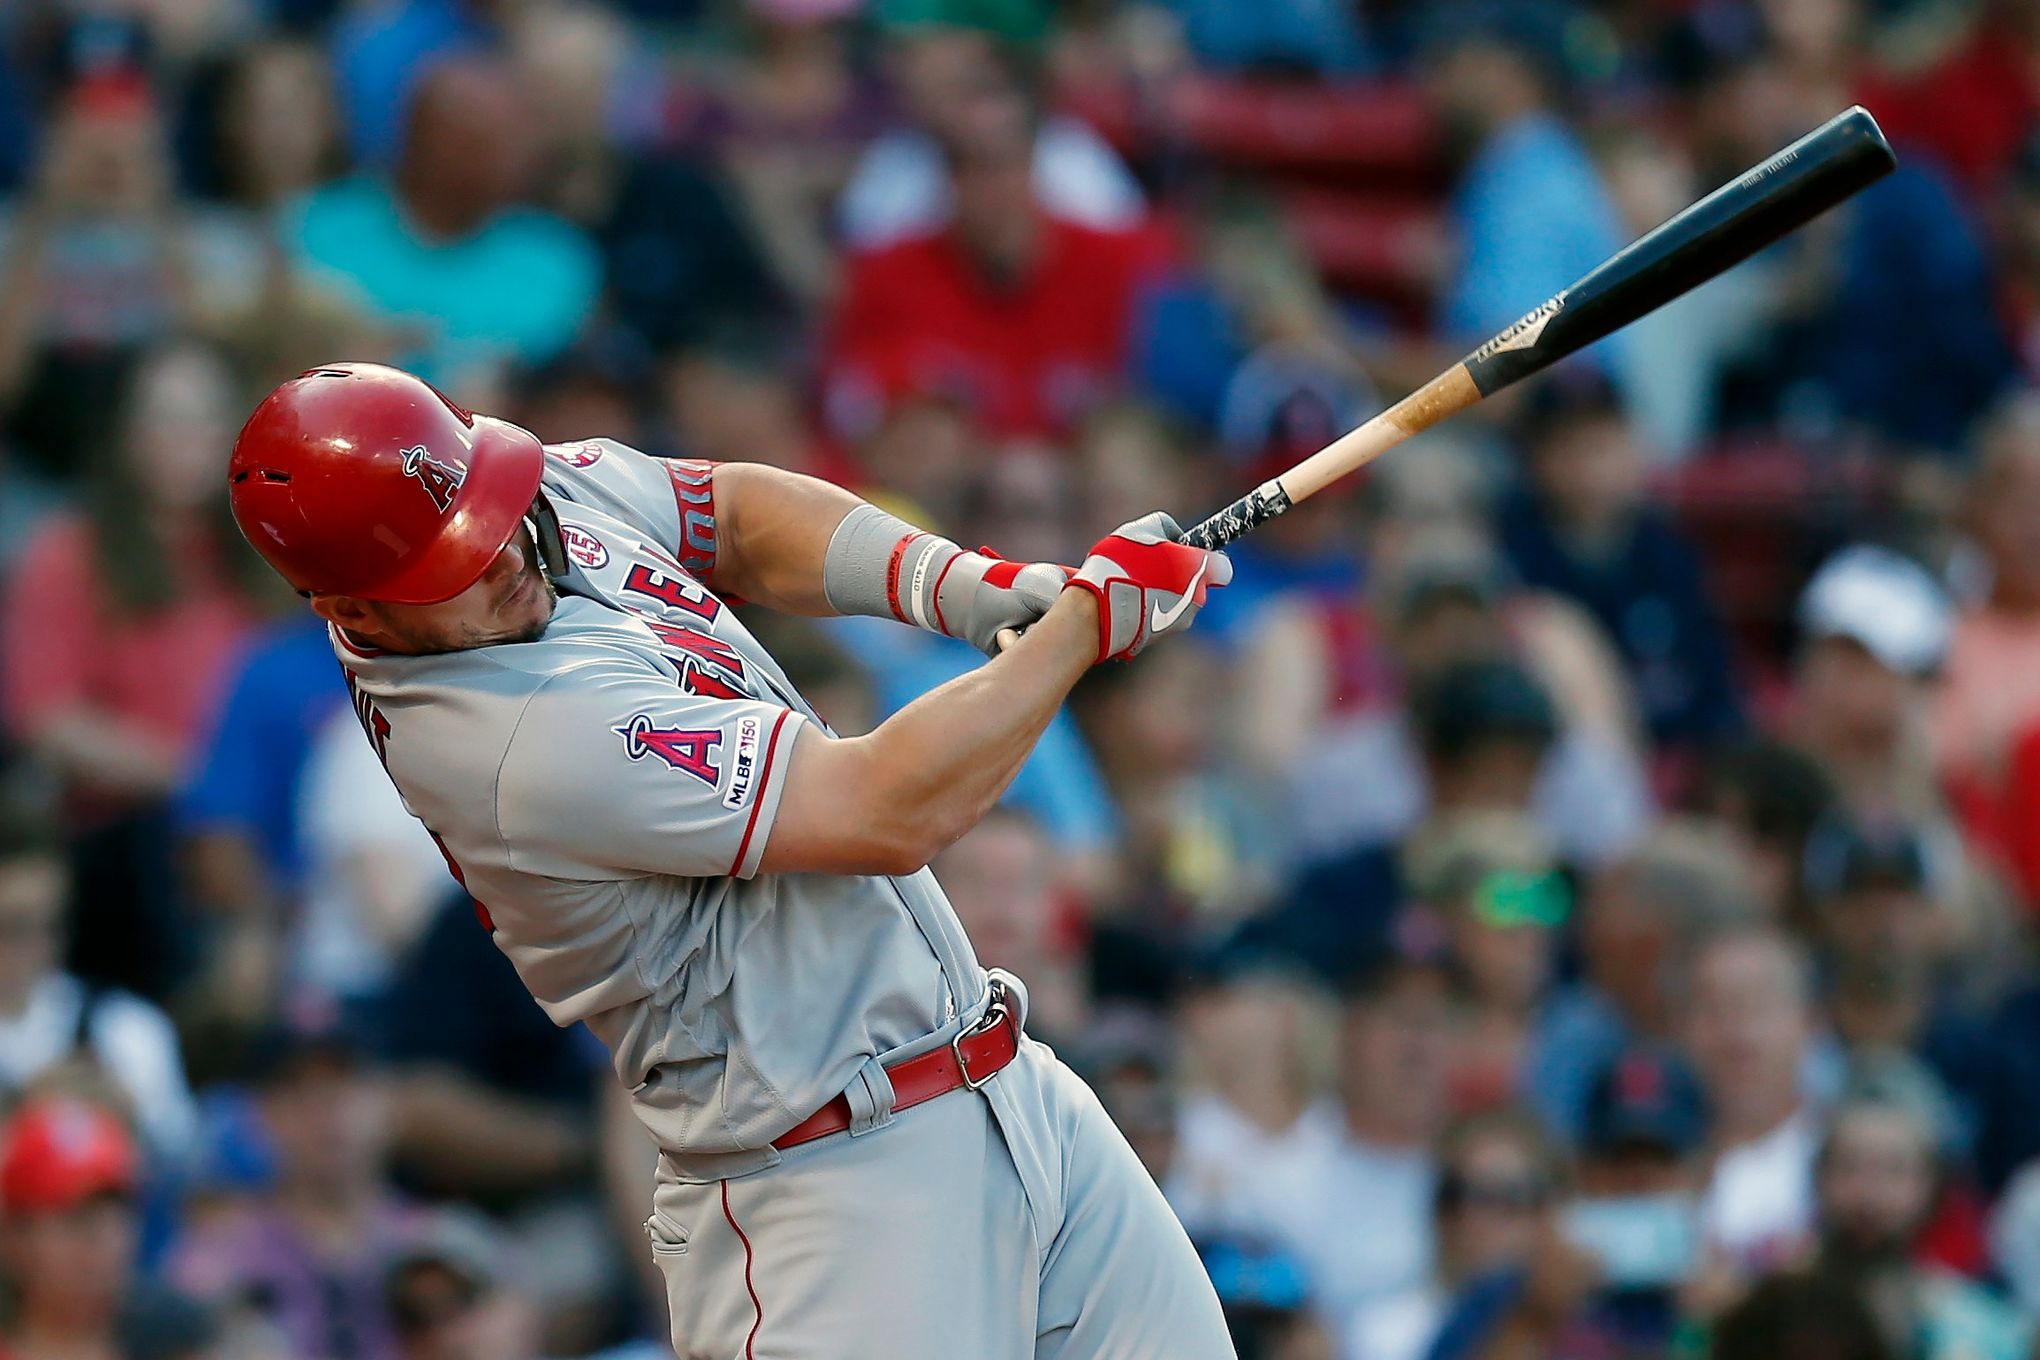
[[1147, 583]]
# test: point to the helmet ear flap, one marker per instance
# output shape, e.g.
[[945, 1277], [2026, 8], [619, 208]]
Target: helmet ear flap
[[547, 535]]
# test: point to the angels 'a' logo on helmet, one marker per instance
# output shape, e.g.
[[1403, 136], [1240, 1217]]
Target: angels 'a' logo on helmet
[[440, 480]]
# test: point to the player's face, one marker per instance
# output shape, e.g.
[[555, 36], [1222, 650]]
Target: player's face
[[511, 602]]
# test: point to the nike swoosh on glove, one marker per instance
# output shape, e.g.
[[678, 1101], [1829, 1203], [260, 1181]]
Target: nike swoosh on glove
[[1147, 583]]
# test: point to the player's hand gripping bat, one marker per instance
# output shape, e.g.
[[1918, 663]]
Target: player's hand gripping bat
[[1829, 164]]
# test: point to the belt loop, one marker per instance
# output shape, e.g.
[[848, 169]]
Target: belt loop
[[870, 1095]]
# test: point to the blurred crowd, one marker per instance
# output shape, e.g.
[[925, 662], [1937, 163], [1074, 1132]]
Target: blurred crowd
[[1574, 895]]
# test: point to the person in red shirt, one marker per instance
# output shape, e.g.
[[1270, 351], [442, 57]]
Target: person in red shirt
[[1020, 315], [123, 612], [117, 625]]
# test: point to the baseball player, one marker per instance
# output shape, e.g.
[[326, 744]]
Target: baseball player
[[862, 1155]]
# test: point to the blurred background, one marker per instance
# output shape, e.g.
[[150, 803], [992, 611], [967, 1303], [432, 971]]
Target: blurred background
[[1572, 896]]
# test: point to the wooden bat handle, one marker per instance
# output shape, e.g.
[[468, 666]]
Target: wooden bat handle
[[1451, 391]]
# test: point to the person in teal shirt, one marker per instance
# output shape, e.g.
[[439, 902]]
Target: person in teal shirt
[[441, 252]]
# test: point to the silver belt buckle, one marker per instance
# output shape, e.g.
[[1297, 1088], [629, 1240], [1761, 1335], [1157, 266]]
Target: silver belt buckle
[[994, 1016]]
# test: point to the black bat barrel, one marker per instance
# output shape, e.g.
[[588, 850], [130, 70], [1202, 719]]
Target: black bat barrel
[[1728, 226]]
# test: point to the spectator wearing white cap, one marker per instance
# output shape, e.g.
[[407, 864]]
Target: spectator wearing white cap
[[1875, 629]]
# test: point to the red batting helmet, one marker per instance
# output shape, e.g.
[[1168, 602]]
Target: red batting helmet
[[358, 479]]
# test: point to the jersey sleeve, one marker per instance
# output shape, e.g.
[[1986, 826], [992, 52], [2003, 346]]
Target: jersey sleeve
[[613, 772], [669, 500]]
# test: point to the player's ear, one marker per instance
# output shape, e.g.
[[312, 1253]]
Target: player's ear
[[349, 611]]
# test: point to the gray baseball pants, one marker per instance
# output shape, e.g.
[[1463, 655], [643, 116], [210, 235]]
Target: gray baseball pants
[[1013, 1223]]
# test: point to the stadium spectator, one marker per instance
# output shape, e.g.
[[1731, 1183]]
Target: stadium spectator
[[1768, 796], [305, 1258], [1987, 711], [1887, 944], [374, 876], [1529, 208], [1638, 915], [1443, 648], [1814, 363], [1486, 882], [788, 126], [449, 1299], [239, 814], [100, 260], [1877, 1180], [1023, 316], [953, 72], [119, 629], [495, 1105], [1988, 696], [1746, 1023], [1582, 528], [69, 1240], [1640, 1175], [676, 260], [50, 1020], [731, 396], [1191, 840], [443, 248], [275, 132], [1254, 1117], [381, 53], [267, 133], [1500, 1181], [1875, 628], [1003, 877], [1130, 1059], [1395, 1060]]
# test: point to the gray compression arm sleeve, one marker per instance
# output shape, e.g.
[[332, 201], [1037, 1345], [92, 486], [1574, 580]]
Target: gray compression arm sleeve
[[878, 564]]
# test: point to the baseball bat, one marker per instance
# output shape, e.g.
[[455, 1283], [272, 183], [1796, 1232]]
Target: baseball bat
[[1833, 162]]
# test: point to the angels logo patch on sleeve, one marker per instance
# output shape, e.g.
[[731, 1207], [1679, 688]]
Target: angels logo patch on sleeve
[[687, 749]]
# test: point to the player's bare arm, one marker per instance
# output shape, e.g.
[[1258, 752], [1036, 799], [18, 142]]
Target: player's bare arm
[[774, 528], [932, 770], [929, 773]]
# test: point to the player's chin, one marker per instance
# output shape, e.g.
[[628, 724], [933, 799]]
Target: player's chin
[[537, 615]]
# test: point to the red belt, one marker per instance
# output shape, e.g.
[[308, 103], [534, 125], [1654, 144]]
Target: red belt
[[966, 1062]]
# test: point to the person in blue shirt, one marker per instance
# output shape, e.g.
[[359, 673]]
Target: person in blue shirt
[[442, 251], [238, 810], [1529, 209]]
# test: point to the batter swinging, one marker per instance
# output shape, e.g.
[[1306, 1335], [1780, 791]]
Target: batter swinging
[[862, 1155]]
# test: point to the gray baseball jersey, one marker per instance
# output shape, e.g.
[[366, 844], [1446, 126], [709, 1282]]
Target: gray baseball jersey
[[606, 792]]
